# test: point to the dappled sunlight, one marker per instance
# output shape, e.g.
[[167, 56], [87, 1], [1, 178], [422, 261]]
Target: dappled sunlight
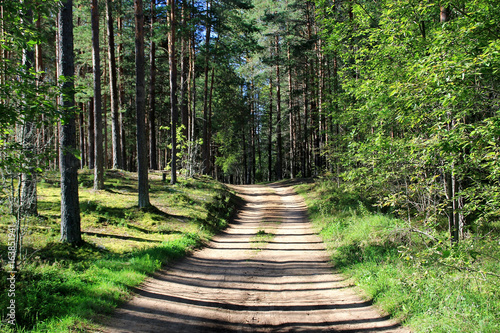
[[267, 272]]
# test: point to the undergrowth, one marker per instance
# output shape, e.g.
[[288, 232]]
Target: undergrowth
[[416, 276], [60, 288]]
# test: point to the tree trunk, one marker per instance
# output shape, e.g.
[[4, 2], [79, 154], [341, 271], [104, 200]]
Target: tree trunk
[[279, 154], [290, 110], [91, 136], [252, 130], [115, 121], [28, 186], [206, 143], [270, 134], [210, 100], [70, 208], [184, 74], [173, 92], [121, 94], [96, 64], [83, 160], [142, 149], [153, 158], [305, 152]]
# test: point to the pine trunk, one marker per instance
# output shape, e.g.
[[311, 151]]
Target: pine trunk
[[206, 143], [96, 64], [140, 105], [70, 208], [279, 154], [115, 119], [173, 92], [153, 158]]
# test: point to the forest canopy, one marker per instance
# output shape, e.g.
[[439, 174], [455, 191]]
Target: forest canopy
[[395, 100]]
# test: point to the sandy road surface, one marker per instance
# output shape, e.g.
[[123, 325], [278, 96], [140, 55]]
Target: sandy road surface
[[238, 284]]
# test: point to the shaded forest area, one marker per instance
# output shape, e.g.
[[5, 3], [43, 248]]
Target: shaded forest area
[[396, 101]]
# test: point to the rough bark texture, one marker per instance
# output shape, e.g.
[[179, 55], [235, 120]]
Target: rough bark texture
[[206, 143], [96, 65], [184, 74], [279, 153], [173, 93], [142, 149], [115, 121], [70, 208], [91, 136], [153, 158], [28, 186], [270, 134], [121, 95]]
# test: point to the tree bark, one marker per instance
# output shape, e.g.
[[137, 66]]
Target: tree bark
[[206, 143], [83, 160], [91, 136], [210, 100], [173, 92], [270, 134], [96, 65], [153, 158], [115, 121], [121, 94], [28, 186], [279, 154], [184, 74], [70, 208], [142, 149], [290, 110]]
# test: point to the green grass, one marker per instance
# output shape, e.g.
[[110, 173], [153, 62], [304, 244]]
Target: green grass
[[429, 286], [61, 288], [261, 239]]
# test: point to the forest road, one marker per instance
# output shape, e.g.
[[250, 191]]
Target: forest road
[[267, 272]]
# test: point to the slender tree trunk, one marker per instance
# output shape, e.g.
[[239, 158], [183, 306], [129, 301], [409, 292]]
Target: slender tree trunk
[[450, 178], [83, 160], [270, 134], [2, 50], [28, 185], [290, 110], [305, 134], [184, 73], [96, 64], [210, 100], [173, 92], [279, 155], [245, 159], [91, 136], [115, 121], [121, 94], [206, 143], [140, 105], [70, 208], [153, 159], [252, 130]]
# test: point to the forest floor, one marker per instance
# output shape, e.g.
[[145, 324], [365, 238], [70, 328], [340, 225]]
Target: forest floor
[[267, 272]]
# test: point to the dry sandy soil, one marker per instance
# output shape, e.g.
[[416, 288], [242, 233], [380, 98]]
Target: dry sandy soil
[[280, 282]]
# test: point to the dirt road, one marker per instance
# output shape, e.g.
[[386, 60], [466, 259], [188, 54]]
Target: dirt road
[[268, 272]]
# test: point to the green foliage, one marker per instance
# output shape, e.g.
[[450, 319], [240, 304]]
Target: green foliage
[[416, 100], [64, 288], [416, 276]]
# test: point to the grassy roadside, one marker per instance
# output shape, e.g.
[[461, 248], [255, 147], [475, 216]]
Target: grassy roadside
[[61, 288], [427, 284]]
